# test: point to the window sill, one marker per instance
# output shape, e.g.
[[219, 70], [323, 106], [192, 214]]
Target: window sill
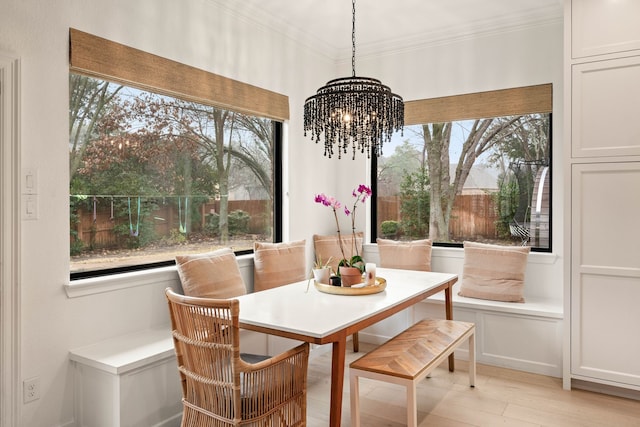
[[547, 258]]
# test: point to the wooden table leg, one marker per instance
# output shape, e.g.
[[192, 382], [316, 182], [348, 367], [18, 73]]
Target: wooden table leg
[[337, 381], [448, 304]]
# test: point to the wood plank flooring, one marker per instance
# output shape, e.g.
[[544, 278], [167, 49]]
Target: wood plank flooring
[[502, 397]]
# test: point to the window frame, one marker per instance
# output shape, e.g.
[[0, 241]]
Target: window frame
[[107, 60], [503, 102]]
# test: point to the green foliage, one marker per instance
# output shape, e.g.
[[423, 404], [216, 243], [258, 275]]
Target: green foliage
[[507, 201], [389, 228], [356, 261], [414, 204], [238, 223], [175, 237], [76, 244], [128, 223]]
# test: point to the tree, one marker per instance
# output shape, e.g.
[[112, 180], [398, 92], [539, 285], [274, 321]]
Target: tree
[[482, 135], [521, 153], [405, 160], [415, 201], [89, 102], [208, 128], [226, 140]]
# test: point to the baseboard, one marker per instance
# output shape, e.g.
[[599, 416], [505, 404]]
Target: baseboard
[[605, 389]]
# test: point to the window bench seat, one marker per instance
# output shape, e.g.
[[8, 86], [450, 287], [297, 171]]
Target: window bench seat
[[524, 336], [127, 380]]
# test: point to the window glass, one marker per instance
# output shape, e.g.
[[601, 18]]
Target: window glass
[[152, 176], [485, 180]]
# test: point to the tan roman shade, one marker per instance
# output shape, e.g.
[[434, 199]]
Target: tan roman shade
[[97, 57], [495, 103]]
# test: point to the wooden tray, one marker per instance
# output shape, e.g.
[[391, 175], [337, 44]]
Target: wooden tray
[[380, 285]]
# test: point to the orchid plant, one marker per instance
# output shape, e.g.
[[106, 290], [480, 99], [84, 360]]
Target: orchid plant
[[361, 194]]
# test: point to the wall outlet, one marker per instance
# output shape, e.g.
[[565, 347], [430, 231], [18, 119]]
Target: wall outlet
[[31, 389]]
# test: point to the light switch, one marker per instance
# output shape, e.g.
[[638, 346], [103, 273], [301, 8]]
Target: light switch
[[30, 206], [29, 181]]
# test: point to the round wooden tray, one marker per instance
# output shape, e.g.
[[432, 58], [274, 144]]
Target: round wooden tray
[[380, 285]]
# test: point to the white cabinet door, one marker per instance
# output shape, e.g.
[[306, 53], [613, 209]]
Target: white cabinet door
[[603, 26], [605, 290], [605, 103]]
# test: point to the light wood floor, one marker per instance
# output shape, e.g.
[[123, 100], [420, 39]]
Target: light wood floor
[[502, 397]]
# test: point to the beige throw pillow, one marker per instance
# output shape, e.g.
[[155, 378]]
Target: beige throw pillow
[[328, 246], [494, 272], [276, 264], [211, 275], [409, 255]]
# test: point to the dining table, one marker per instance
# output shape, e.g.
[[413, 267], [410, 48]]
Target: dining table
[[301, 312]]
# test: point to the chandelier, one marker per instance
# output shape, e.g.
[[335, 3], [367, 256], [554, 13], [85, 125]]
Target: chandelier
[[356, 111]]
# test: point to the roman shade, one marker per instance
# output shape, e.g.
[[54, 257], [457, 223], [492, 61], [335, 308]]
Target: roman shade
[[494, 103], [101, 58]]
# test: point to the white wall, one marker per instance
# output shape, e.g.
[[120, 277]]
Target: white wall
[[194, 32]]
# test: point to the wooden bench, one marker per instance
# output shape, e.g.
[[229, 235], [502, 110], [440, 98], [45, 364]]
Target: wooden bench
[[409, 357]]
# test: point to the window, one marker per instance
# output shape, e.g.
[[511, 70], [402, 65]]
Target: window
[[156, 170], [457, 174]]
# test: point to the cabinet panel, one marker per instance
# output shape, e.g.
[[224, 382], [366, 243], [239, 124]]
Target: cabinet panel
[[605, 343], [605, 272], [605, 101], [600, 27], [605, 219]]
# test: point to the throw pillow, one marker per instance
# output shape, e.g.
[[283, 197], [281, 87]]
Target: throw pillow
[[276, 264], [211, 275], [327, 247], [494, 272], [409, 255]]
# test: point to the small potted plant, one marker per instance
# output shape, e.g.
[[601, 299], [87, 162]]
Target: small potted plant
[[351, 268], [322, 270]]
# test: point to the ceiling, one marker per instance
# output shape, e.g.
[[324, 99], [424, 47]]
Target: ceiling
[[389, 25]]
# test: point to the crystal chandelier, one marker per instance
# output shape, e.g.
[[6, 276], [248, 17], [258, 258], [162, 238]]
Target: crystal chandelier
[[356, 111]]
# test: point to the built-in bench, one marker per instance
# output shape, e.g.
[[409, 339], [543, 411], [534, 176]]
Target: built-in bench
[[133, 379], [409, 357], [525, 336], [128, 380]]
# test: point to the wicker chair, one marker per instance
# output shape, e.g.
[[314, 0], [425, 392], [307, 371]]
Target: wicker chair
[[218, 387]]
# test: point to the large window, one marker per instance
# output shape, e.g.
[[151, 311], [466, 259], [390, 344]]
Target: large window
[[468, 176], [156, 170]]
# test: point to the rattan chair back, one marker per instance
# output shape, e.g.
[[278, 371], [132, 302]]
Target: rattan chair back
[[219, 388]]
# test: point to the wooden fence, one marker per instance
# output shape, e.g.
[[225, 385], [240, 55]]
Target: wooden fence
[[98, 226], [473, 216]]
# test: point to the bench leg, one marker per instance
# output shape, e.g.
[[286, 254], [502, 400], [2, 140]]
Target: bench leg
[[472, 360], [355, 399], [412, 407]]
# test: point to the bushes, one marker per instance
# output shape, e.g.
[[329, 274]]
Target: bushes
[[238, 223], [389, 228]]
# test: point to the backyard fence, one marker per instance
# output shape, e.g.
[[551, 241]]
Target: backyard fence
[[98, 226], [473, 216]]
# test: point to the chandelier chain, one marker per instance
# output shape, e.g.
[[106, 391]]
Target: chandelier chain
[[353, 38]]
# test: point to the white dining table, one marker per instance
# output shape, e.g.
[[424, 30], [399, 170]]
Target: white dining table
[[299, 311]]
